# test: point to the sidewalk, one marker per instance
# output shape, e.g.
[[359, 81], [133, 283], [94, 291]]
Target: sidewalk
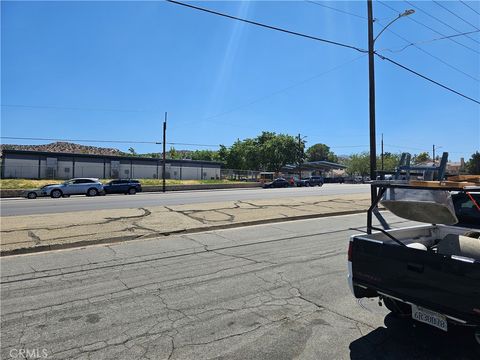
[[23, 234]]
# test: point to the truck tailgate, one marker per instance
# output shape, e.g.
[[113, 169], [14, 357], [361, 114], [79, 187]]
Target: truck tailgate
[[437, 282]]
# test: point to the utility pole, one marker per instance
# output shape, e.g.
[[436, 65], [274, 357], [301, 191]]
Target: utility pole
[[382, 151], [433, 155], [164, 143], [300, 155], [371, 83]]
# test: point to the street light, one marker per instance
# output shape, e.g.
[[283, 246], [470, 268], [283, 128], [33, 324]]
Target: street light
[[405, 13], [371, 78]]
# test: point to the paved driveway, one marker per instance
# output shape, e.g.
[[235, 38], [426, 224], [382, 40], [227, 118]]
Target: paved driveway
[[263, 292]]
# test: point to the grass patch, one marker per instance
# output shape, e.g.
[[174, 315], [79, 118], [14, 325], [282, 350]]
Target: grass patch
[[20, 184]]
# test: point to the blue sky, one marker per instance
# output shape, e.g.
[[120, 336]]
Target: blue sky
[[109, 70]]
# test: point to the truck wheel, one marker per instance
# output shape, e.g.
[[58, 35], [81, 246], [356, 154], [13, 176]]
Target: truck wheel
[[397, 308], [32, 195], [56, 194], [92, 192]]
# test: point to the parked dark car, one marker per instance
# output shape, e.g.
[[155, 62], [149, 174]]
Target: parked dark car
[[277, 183], [311, 181], [123, 186]]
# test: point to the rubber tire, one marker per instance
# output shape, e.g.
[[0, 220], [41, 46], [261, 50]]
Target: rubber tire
[[397, 308], [92, 192], [477, 336], [132, 191], [31, 195], [307, 184], [56, 194], [320, 185]]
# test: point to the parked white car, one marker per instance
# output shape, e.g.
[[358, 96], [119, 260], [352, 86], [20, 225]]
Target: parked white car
[[77, 186]]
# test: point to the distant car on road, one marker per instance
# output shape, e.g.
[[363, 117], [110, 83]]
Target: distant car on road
[[123, 186], [311, 181], [34, 193], [77, 186], [277, 183]]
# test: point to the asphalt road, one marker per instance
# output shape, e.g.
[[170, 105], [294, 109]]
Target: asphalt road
[[262, 292], [21, 206]]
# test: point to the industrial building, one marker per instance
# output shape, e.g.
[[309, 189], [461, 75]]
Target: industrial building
[[53, 165]]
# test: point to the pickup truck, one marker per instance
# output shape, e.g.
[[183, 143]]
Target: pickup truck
[[428, 272]]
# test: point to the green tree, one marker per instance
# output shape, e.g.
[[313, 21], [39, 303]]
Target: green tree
[[268, 151], [321, 152], [423, 157], [207, 155], [174, 154], [390, 161], [473, 165], [358, 164]]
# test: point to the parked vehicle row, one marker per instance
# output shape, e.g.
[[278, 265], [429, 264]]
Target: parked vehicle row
[[283, 183], [85, 186]]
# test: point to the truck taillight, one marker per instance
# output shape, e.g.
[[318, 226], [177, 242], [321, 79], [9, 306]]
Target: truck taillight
[[350, 250]]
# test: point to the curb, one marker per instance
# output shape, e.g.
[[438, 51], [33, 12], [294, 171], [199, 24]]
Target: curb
[[17, 193], [84, 243]]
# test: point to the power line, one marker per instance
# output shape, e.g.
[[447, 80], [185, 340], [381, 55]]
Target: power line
[[433, 56], [335, 9], [67, 108], [268, 26], [426, 78], [475, 11], [440, 21], [456, 15], [267, 96], [324, 40], [431, 40], [188, 144], [79, 140], [430, 28], [105, 141]]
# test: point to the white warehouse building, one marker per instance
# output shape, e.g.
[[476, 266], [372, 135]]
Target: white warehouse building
[[52, 165]]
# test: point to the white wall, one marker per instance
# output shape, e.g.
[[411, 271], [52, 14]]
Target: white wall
[[88, 169], [20, 168]]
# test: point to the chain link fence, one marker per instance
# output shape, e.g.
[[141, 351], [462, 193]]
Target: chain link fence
[[109, 171]]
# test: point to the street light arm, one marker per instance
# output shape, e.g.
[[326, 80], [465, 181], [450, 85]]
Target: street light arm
[[405, 13], [385, 28]]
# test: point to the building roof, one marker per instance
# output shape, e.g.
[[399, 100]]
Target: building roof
[[109, 157], [321, 165]]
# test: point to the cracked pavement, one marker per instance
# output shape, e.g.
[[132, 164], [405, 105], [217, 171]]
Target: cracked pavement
[[275, 291], [27, 233]]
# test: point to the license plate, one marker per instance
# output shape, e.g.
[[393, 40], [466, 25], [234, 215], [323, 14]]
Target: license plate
[[429, 317]]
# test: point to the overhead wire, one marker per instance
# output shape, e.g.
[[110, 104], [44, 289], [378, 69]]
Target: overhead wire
[[426, 78], [105, 141], [336, 9], [267, 96], [440, 20], [430, 41], [430, 28], [475, 11], [67, 108], [431, 55], [454, 14], [286, 31], [327, 41]]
